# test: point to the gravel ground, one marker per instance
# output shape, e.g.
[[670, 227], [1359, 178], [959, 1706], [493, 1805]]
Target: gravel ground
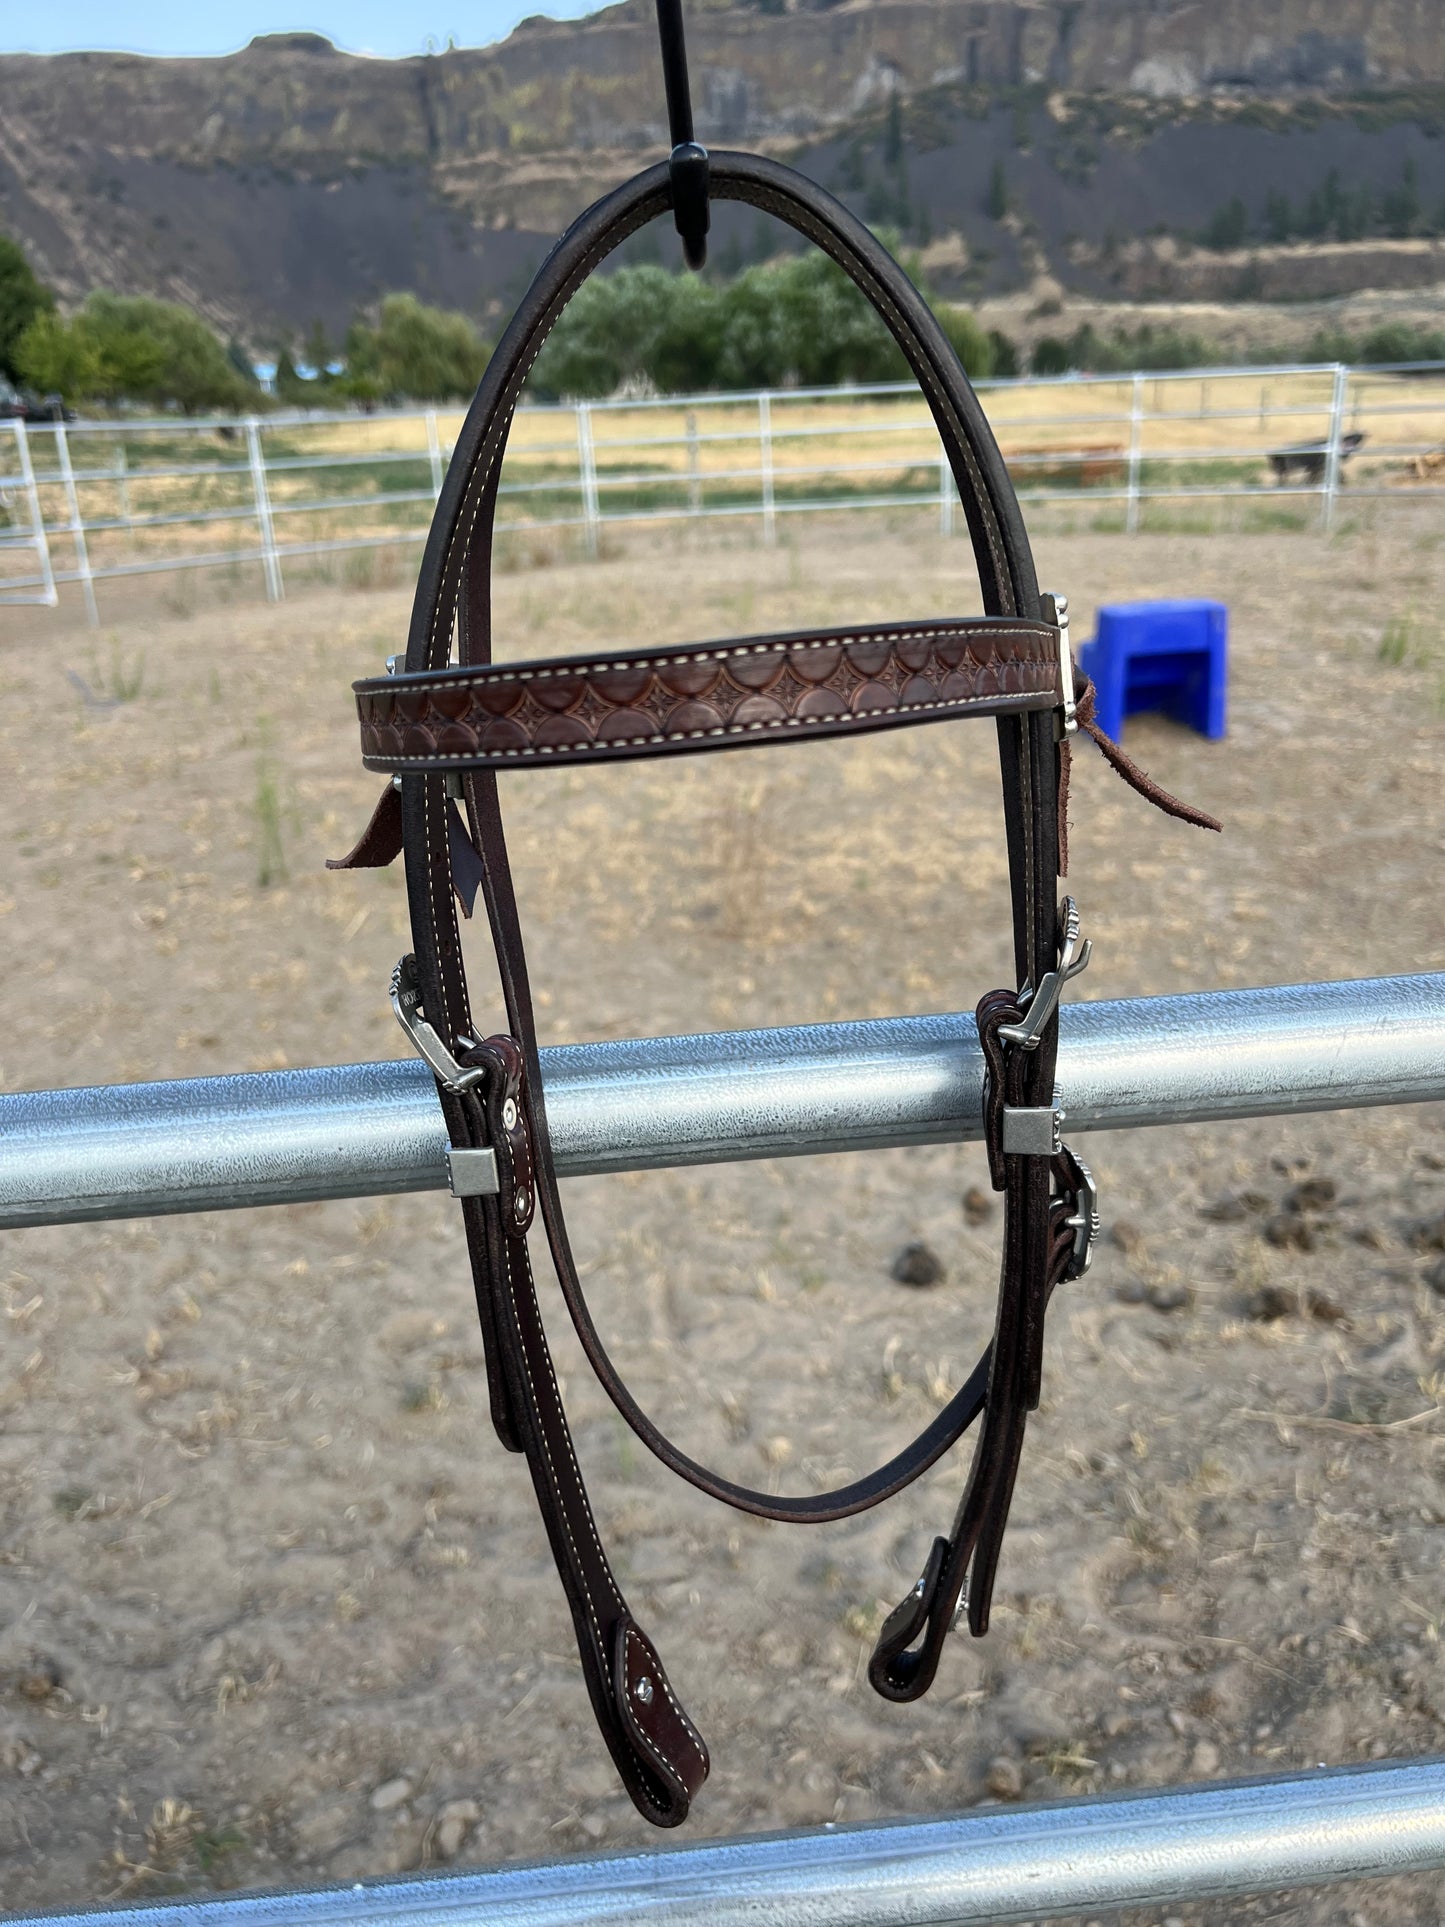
[[274, 1606]]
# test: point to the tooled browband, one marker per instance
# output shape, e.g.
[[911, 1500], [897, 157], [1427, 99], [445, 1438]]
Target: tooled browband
[[646, 702]]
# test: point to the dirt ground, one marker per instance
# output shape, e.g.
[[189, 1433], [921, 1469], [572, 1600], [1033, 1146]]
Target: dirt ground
[[274, 1605]]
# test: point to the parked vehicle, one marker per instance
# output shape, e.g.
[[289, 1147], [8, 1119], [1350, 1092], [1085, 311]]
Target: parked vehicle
[[18, 407]]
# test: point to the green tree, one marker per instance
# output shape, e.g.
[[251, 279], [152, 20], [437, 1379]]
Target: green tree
[[241, 362], [794, 322], [1279, 220], [1050, 356], [413, 351], [1005, 356], [973, 345], [318, 350], [1227, 226], [22, 299], [1401, 341], [996, 201], [131, 348], [1400, 205], [56, 358]]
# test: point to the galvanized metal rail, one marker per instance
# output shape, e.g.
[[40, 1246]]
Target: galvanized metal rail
[[1070, 1857], [352, 1130], [355, 1130]]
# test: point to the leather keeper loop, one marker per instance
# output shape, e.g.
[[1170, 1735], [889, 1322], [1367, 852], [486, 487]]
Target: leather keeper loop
[[688, 169]]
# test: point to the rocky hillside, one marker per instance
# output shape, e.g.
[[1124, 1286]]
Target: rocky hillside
[[1011, 137]]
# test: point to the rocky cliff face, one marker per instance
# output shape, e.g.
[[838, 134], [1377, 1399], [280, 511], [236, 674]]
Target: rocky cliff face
[[291, 180]]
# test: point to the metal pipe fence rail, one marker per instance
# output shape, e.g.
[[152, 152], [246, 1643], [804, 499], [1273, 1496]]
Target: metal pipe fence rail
[[361, 1130], [353, 1130], [1069, 1857], [101, 501]]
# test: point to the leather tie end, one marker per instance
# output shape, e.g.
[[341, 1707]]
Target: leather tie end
[[1125, 766], [380, 842]]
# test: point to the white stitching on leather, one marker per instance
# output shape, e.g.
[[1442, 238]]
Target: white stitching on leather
[[492, 673], [618, 1601], [484, 757], [693, 1737]]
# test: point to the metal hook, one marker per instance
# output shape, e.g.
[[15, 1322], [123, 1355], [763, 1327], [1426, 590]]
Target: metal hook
[[689, 163], [1043, 1002], [406, 1002]]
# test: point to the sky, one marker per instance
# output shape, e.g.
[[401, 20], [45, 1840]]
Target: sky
[[181, 27]]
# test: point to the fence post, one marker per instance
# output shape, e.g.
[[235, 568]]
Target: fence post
[[1136, 437], [945, 493], [37, 520], [694, 475], [1331, 482], [765, 468], [77, 527], [270, 560], [434, 450], [587, 468], [123, 482]]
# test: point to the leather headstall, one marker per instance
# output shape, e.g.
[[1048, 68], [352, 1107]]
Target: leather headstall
[[450, 718]]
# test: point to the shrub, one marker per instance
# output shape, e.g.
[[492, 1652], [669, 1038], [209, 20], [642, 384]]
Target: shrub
[[22, 299], [131, 348], [1050, 356], [412, 351], [794, 322]]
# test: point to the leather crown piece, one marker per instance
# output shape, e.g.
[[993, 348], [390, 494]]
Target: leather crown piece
[[443, 729]]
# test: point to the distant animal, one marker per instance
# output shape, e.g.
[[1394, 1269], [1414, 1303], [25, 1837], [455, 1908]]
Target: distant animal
[[1307, 459]]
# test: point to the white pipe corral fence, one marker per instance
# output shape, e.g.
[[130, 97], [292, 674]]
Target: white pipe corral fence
[[264, 495]]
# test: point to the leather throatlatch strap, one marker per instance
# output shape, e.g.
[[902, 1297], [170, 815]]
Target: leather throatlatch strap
[[443, 729]]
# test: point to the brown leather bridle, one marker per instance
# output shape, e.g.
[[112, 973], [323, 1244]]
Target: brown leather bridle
[[443, 726]]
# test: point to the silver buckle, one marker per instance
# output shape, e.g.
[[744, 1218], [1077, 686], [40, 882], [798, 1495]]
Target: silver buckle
[[406, 1002], [1043, 1002], [1055, 610], [1085, 1221]]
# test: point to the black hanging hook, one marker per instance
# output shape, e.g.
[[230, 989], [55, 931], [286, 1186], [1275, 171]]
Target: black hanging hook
[[689, 159]]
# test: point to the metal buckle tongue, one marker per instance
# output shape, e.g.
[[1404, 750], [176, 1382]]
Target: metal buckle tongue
[[1055, 610], [424, 1039], [1043, 1002]]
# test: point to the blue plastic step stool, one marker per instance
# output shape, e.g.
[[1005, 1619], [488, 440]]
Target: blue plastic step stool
[[1171, 656]]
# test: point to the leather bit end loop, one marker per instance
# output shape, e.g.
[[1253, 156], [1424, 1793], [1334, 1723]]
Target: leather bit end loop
[[670, 1756], [898, 1671]]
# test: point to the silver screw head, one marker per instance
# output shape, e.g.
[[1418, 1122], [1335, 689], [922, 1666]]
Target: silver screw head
[[520, 1206], [643, 1690], [509, 1114]]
